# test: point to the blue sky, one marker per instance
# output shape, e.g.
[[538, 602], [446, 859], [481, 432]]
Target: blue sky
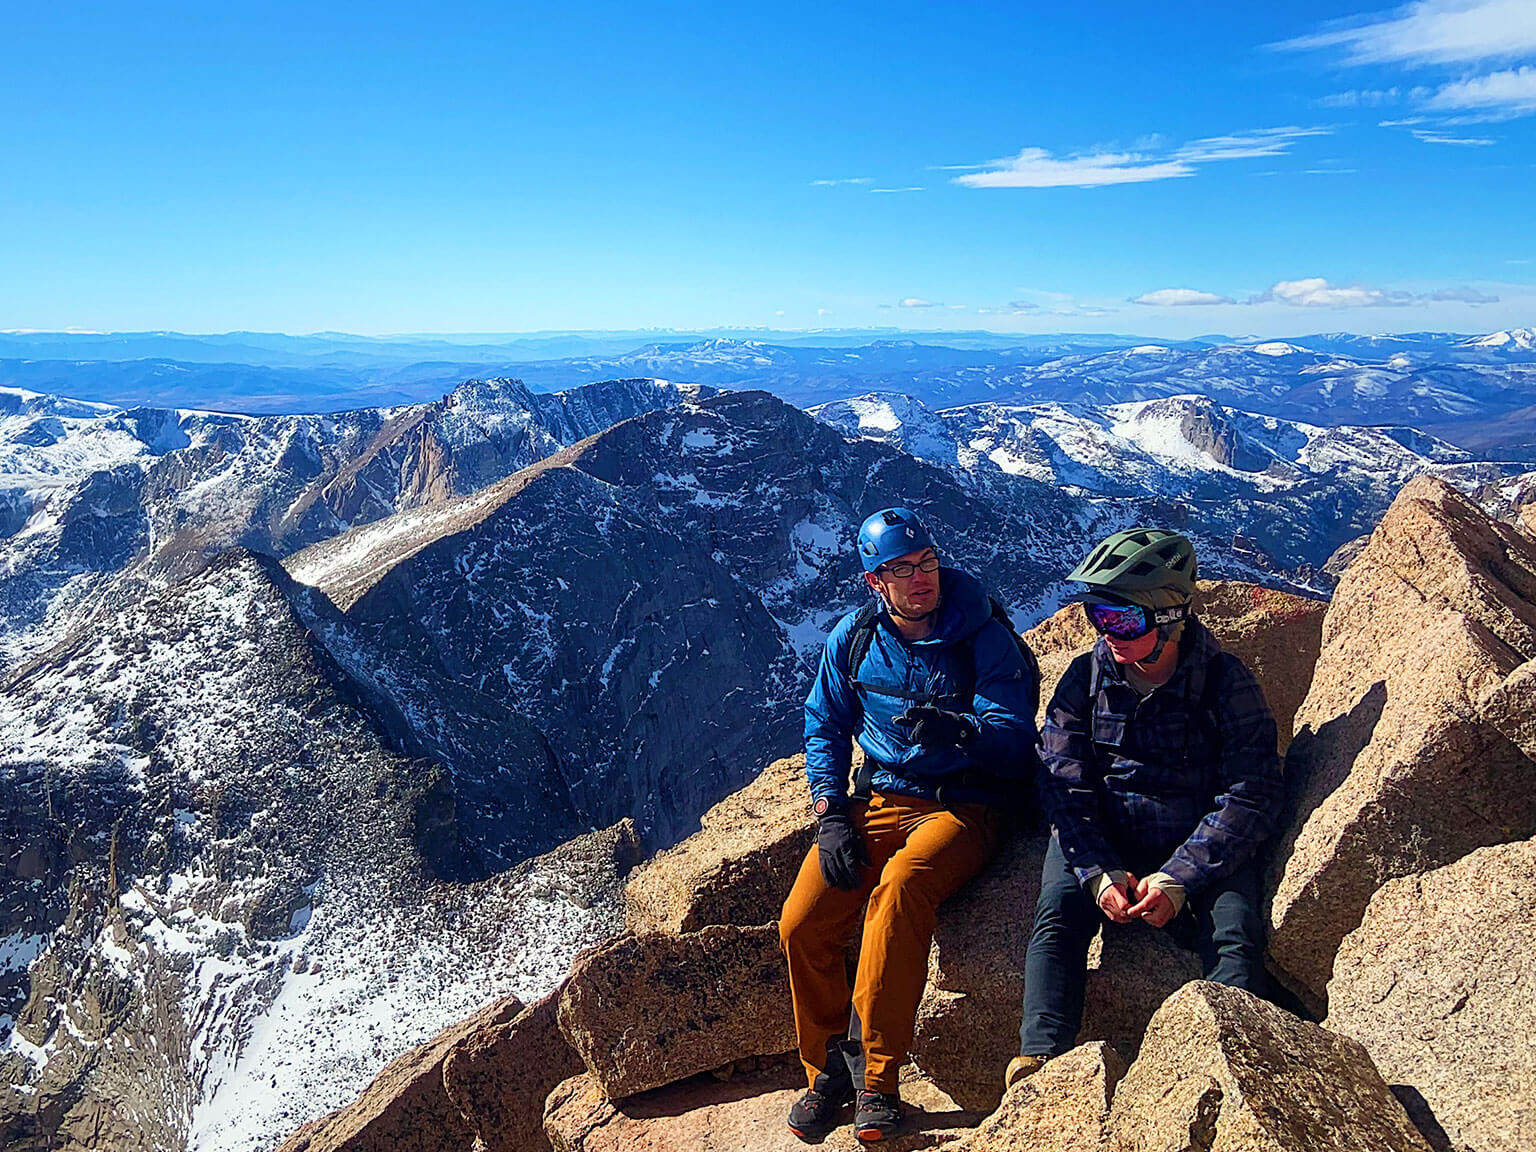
[[390, 167]]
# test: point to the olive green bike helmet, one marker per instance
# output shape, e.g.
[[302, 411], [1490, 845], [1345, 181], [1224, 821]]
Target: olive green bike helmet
[[1148, 566]]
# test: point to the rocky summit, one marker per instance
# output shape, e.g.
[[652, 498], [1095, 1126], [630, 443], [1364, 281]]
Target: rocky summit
[[679, 1027]]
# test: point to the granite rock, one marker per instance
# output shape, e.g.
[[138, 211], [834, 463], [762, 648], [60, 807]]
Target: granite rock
[[1439, 983], [1221, 1069]]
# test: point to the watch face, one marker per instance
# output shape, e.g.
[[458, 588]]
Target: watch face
[[821, 806]]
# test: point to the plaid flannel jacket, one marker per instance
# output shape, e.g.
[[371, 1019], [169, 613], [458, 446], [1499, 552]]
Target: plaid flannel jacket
[[1185, 781]]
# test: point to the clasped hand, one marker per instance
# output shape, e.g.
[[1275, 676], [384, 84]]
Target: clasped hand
[[1136, 900]]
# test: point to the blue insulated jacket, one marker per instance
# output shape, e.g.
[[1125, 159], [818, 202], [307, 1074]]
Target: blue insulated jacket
[[836, 712], [1185, 780]]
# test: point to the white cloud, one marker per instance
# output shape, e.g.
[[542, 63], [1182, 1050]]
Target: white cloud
[[1432, 137], [917, 302], [1245, 145], [1315, 292], [1179, 298], [1512, 91], [1022, 305], [1038, 168], [898, 189], [1432, 32], [846, 180]]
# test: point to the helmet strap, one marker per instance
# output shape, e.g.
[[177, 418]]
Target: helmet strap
[[1164, 634]]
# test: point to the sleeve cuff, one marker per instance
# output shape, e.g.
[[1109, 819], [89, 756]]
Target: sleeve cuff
[[1103, 880], [1170, 888]]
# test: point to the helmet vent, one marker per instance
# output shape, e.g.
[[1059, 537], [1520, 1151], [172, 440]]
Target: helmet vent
[[1142, 568]]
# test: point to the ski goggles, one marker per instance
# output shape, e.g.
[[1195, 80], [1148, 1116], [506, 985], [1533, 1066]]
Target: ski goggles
[[1122, 621], [1129, 621]]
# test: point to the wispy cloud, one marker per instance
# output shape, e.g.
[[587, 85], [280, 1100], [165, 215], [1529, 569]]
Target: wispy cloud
[[1245, 145], [1445, 34], [1511, 91], [916, 302], [1431, 32], [898, 189], [1363, 98], [1432, 137], [844, 180], [1180, 298], [1464, 295], [1038, 168]]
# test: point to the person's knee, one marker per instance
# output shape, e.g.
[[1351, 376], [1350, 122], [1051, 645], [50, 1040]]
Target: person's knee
[[798, 923], [901, 899]]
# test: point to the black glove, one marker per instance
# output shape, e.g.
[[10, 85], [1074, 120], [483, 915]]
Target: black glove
[[841, 849], [935, 728]]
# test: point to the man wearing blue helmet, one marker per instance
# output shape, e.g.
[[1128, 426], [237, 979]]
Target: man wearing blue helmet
[[934, 685]]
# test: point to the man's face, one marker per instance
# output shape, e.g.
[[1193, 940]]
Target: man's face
[[912, 595]]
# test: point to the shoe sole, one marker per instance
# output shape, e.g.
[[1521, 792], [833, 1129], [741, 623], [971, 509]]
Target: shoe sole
[[874, 1135]]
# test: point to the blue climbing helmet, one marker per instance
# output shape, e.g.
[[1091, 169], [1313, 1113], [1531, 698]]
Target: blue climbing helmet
[[890, 533]]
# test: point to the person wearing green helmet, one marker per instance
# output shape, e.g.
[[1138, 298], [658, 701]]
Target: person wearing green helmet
[[1161, 781]]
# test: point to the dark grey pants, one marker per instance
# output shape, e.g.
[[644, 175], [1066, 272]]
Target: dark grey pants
[[1221, 922]]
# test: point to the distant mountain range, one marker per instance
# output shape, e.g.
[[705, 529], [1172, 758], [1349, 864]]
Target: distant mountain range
[[1476, 391]]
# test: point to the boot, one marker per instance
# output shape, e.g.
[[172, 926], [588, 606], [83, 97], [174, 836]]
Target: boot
[[876, 1116], [1022, 1068]]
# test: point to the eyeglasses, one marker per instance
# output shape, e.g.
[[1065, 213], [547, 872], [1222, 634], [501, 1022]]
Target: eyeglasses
[[1122, 621], [902, 569]]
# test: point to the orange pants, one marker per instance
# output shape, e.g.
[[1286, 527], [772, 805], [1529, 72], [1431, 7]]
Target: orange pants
[[920, 852]]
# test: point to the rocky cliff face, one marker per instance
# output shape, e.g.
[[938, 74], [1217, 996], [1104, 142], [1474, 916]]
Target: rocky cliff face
[[214, 849]]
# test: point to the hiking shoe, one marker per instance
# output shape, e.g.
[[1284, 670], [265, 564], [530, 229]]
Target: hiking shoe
[[815, 1113], [876, 1116], [1022, 1068]]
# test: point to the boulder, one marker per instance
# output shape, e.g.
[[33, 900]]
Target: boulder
[[1399, 764], [405, 1108], [1276, 634], [738, 868], [1061, 1108], [499, 1076], [1221, 1069], [1511, 708], [968, 1021], [643, 1011], [705, 1114], [1439, 983]]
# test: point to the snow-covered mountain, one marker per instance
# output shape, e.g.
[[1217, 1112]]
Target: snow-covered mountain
[[85, 488], [1296, 491]]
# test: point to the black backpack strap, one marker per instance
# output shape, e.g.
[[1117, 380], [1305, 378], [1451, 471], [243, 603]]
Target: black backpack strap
[[863, 635]]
